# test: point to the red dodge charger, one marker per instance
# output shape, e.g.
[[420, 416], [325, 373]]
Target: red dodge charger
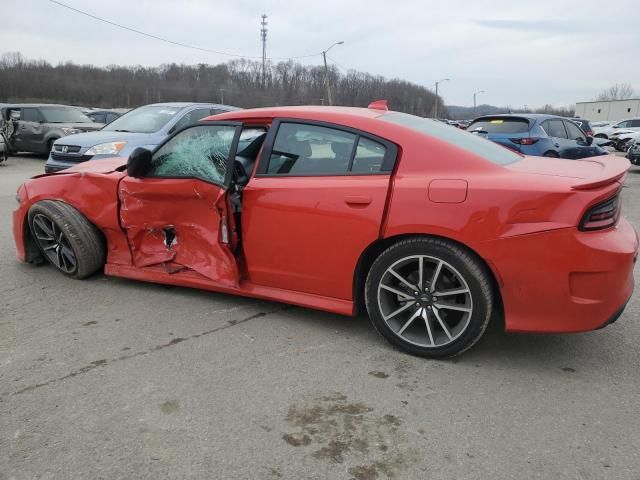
[[433, 230]]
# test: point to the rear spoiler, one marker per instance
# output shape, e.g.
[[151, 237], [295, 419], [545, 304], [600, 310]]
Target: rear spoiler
[[488, 118], [614, 170]]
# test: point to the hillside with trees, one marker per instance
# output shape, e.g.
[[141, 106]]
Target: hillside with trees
[[462, 113], [239, 83]]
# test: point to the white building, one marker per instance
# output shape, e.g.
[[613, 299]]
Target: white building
[[614, 110]]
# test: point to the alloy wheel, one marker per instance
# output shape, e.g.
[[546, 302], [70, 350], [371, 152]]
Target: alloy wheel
[[54, 244], [425, 301]]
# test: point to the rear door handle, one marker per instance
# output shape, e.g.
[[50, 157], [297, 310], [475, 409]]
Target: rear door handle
[[357, 200]]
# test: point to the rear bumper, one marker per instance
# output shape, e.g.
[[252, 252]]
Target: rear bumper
[[565, 280]]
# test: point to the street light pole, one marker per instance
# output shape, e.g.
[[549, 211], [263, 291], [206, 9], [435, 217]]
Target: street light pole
[[474, 101], [437, 83], [326, 71]]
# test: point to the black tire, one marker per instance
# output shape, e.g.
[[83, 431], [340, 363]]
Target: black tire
[[50, 145], [551, 155], [81, 236], [621, 146], [475, 275], [600, 135]]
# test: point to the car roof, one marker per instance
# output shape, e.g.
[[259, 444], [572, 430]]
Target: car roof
[[318, 111], [26, 105], [525, 116], [191, 104]]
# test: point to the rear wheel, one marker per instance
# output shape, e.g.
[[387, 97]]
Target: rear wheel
[[66, 238], [429, 297]]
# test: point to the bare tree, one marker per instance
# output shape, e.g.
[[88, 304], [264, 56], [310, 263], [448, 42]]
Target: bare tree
[[285, 83], [619, 91]]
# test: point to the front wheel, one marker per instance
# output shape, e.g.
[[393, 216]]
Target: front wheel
[[50, 145], [621, 145], [429, 297], [66, 238]]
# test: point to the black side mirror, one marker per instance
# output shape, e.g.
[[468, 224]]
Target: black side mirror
[[139, 163], [589, 140]]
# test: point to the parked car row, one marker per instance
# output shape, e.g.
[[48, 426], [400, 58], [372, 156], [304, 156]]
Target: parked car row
[[145, 127], [70, 136]]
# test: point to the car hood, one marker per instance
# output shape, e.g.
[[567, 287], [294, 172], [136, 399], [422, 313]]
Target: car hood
[[90, 139], [623, 132], [106, 165], [585, 173]]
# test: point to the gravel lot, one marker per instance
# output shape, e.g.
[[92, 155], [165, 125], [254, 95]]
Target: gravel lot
[[108, 378]]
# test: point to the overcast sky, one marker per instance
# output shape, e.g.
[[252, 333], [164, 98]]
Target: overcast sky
[[519, 52]]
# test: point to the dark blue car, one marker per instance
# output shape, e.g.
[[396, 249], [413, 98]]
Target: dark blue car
[[538, 135]]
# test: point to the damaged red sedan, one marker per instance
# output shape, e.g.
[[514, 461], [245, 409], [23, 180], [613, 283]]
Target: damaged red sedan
[[432, 230]]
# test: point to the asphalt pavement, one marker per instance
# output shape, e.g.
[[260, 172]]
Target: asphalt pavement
[[115, 379]]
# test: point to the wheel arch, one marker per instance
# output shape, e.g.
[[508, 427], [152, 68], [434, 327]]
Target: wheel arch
[[33, 254], [49, 140], [370, 254]]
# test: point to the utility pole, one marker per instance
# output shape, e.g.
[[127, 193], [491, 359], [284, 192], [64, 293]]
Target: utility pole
[[326, 71], [474, 101], [222, 96], [326, 78], [263, 35], [437, 83]]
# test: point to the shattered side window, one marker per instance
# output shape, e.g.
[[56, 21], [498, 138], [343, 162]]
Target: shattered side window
[[200, 152]]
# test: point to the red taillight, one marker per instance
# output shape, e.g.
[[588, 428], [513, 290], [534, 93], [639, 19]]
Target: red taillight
[[603, 215], [525, 140]]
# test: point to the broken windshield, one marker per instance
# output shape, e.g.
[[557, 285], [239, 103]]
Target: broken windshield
[[200, 152]]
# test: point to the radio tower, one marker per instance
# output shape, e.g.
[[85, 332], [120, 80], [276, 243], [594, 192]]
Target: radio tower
[[263, 35]]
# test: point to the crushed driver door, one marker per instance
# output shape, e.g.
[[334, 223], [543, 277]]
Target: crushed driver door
[[175, 217]]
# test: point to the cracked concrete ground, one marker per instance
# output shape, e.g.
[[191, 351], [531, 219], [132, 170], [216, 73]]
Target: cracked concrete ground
[[109, 378]]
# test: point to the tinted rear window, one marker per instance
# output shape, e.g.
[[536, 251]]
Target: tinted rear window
[[467, 141], [501, 125]]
